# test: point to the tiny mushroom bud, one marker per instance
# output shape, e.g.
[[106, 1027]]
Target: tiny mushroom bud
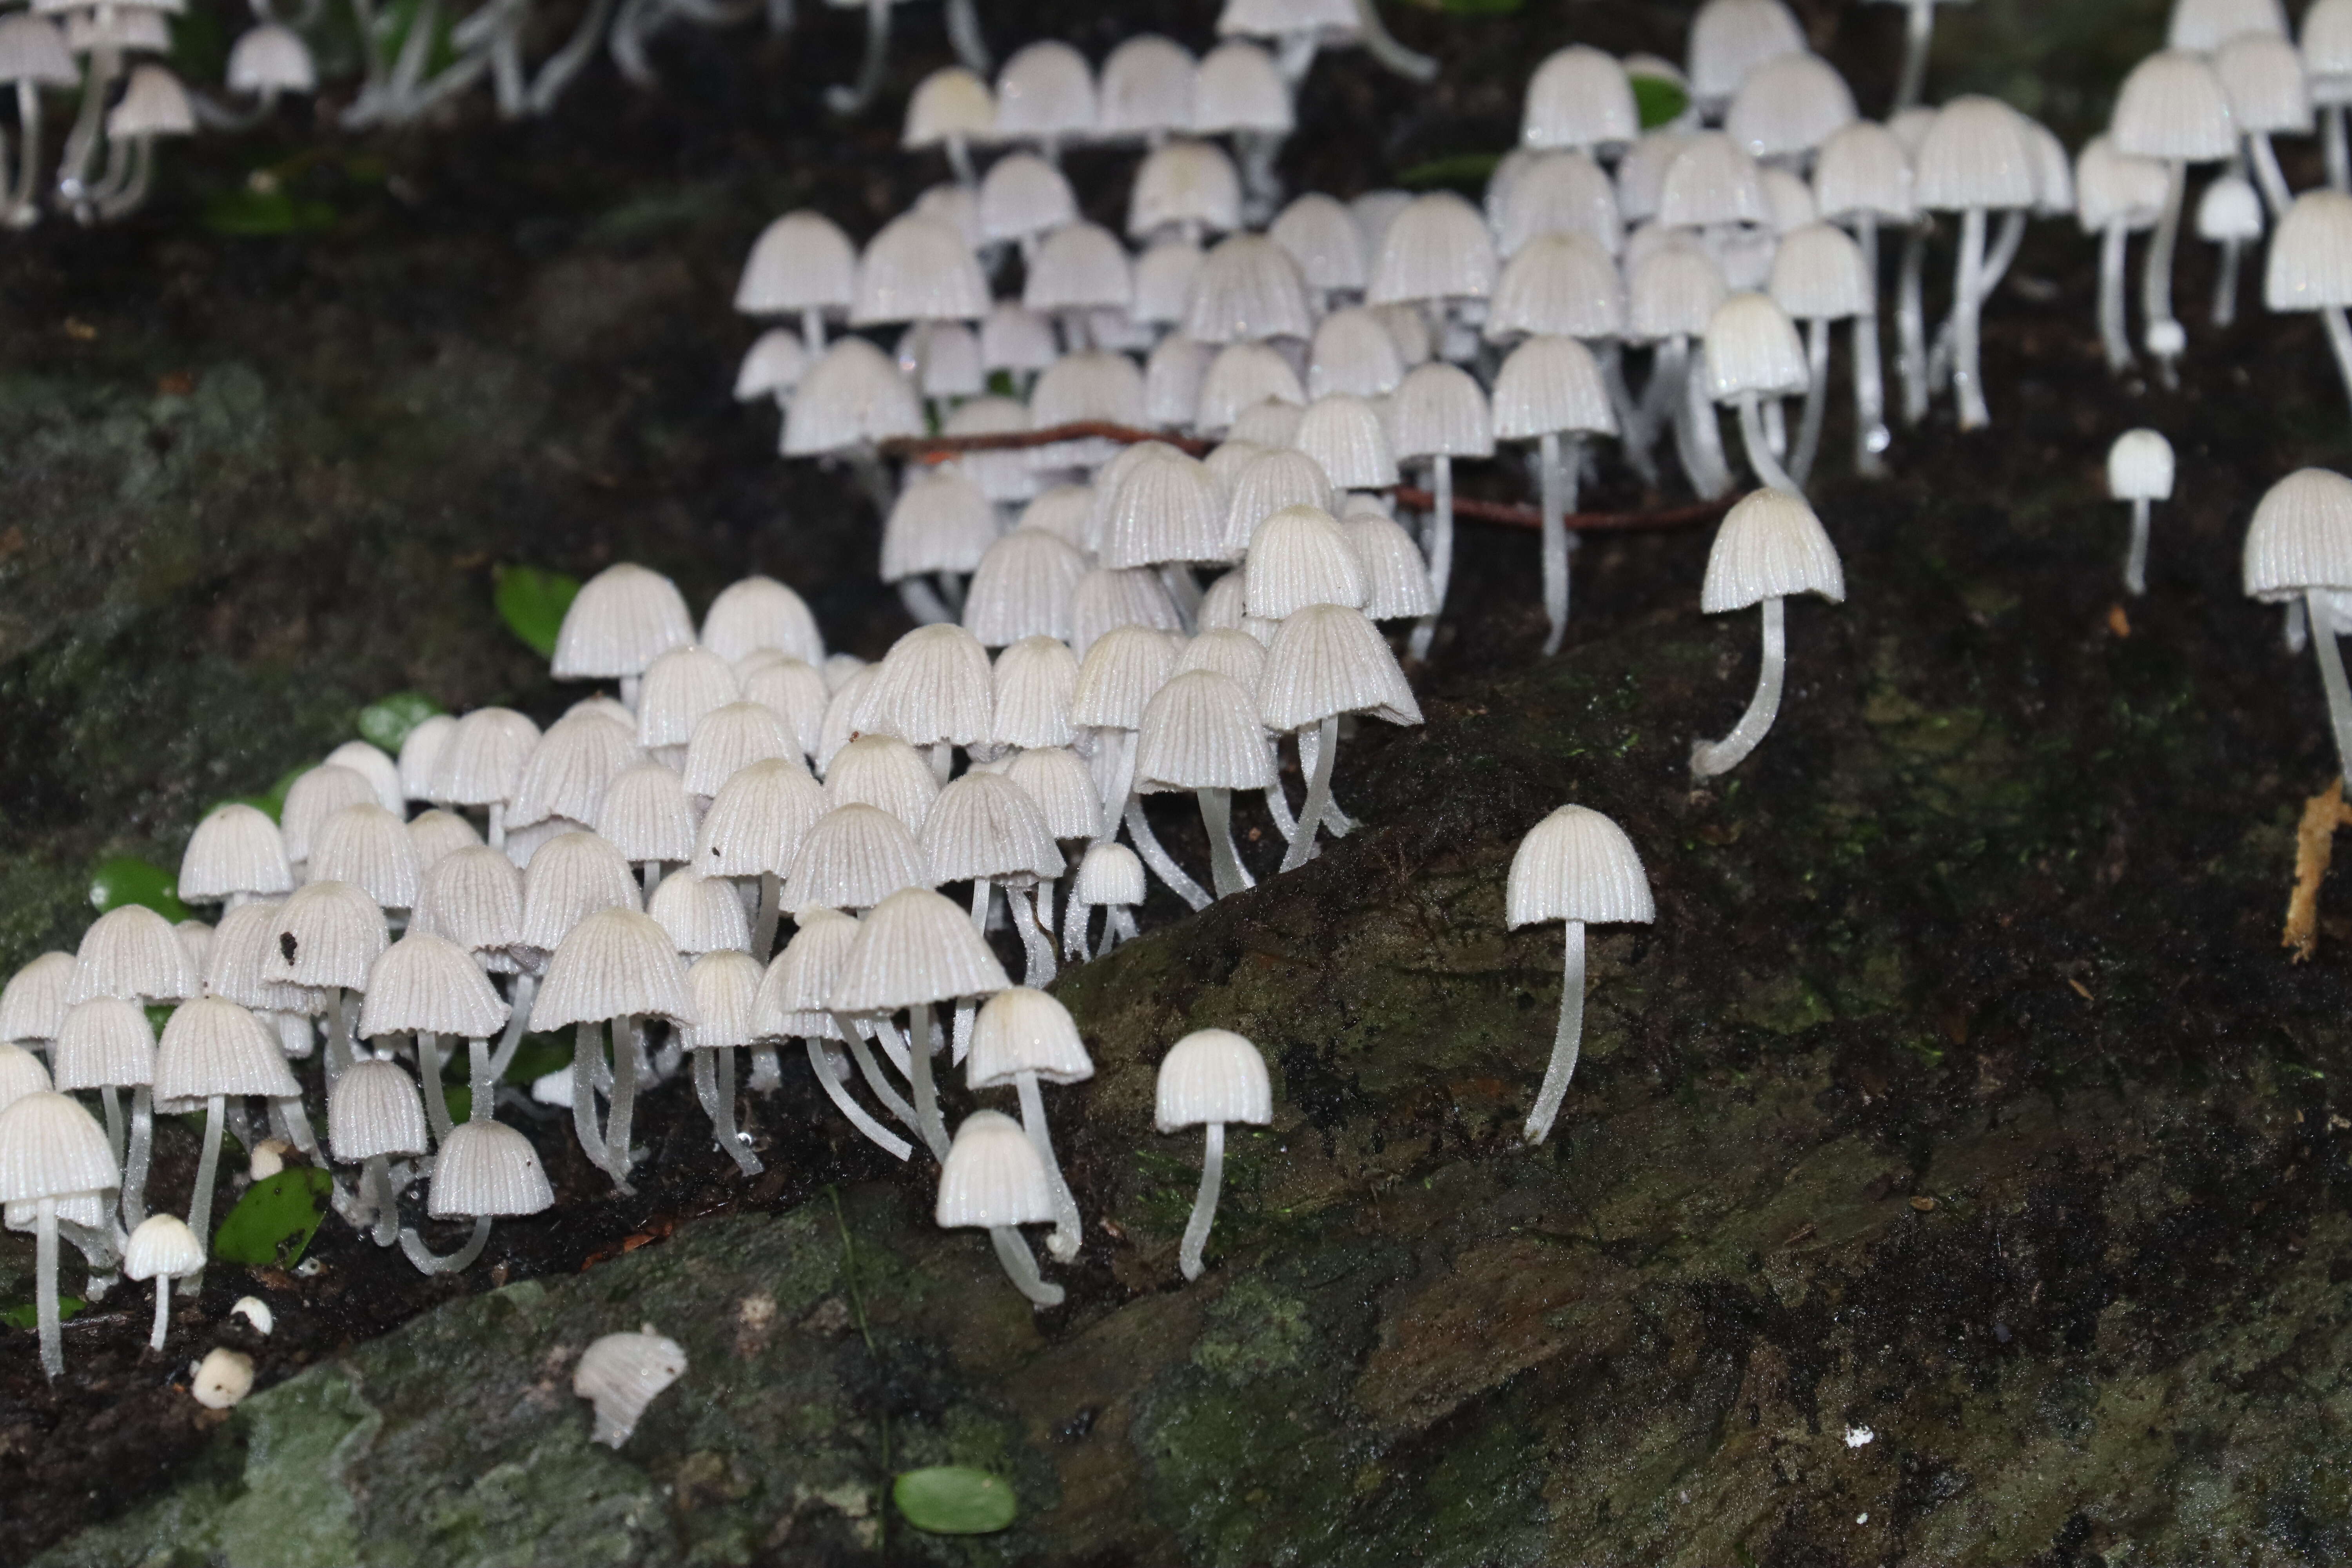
[[1208, 1078], [2139, 470], [1574, 866], [222, 1379], [255, 1310], [621, 1373]]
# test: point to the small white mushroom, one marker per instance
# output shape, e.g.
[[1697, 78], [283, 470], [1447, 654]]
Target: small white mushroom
[[255, 1310], [1208, 1078], [621, 1373], [1771, 546], [1575, 865], [163, 1249], [222, 1379], [2139, 470]]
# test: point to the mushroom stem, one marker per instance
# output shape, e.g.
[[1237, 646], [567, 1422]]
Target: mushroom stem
[[875, 1079], [113, 1104], [1709, 758], [2339, 155], [1122, 781], [631, 685], [850, 99], [2268, 177], [1699, 439], [618, 1115], [1871, 437], [427, 1263], [339, 1036], [942, 756], [163, 1313], [2225, 284], [2340, 340], [2114, 243], [525, 991], [291, 1123], [1155, 855], [2163, 332], [1038, 968], [714, 1085], [1068, 1229], [45, 1287], [919, 1074], [763, 930], [1336, 823], [1558, 489], [496, 837], [1968, 305], [437, 1088], [585, 1048], [1225, 868], [134, 1162], [1911, 324], [481, 1083], [1381, 45], [1074, 929], [375, 1182], [1021, 1266], [2136, 564], [1817, 399], [2292, 630], [2331, 676], [890, 1143], [1205, 1203], [1318, 795], [200, 1201], [1441, 553], [1635, 433], [1769, 471], [1567, 1041], [1918, 31], [22, 209], [1118, 926], [963, 36]]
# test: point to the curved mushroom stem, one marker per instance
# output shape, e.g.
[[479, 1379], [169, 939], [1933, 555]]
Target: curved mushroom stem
[[586, 1048], [1558, 489], [24, 206], [1155, 855], [1226, 868], [2268, 177], [1968, 306], [437, 1089], [711, 1065], [291, 1123], [134, 1161], [45, 1287], [1069, 1231], [1318, 794], [113, 1105], [763, 930], [1769, 471], [850, 99], [884, 1090], [1699, 439], [1918, 32], [2331, 676], [82, 142], [1336, 823], [2114, 243], [163, 1313], [1569, 1040], [525, 991], [625, 1051], [1122, 744], [1277, 801], [1911, 324], [889, 1143], [376, 1183], [200, 1201], [1038, 968], [1634, 431], [2164, 334], [2340, 340], [339, 1036], [427, 1263], [2136, 564], [963, 36], [2339, 155], [1205, 1203], [1074, 930], [1118, 926], [928, 1121], [1381, 45], [1817, 400], [1021, 1266], [1441, 553], [1709, 758]]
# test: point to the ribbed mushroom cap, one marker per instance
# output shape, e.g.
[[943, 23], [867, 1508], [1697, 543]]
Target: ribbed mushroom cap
[[473, 899], [1108, 874], [244, 951], [1201, 730], [941, 521], [1106, 601], [1213, 1075], [33, 1004], [1818, 275], [1752, 349], [2206, 24], [1547, 386], [1059, 782], [132, 952], [1186, 185], [1299, 556], [1437, 248], [795, 693], [212, 1046], [1080, 266], [162, 1247], [1023, 588], [103, 1041], [1353, 352], [196, 941], [2310, 266], [1562, 285], [1023, 195], [724, 983], [1577, 865], [429, 984], [234, 849], [729, 739], [1769, 546], [993, 1176], [1242, 376], [615, 962], [327, 934], [1272, 424], [1711, 182], [1439, 411], [1117, 678], [760, 613], [701, 914], [883, 771], [2172, 106], [1166, 508], [1240, 88], [1344, 436], [420, 754], [1863, 171], [853, 396], [951, 102], [1559, 193], [572, 877], [130, 28], [1034, 680], [916, 947], [2327, 41], [645, 814], [1396, 577], [1325, 22], [374, 1110], [621, 1374], [1026, 1030], [21, 1072], [2301, 537], [985, 826], [1730, 39], [482, 762], [845, 716], [371, 763], [1579, 97], [623, 619], [33, 50], [1328, 659], [436, 835], [487, 1168], [51, 1147], [801, 261], [2230, 209], [1045, 90], [1270, 481], [681, 687], [1247, 290], [1164, 282], [2139, 467], [1642, 174], [315, 795], [772, 366], [1976, 154], [1790, 103], [946, 359], [368, 847], [1791, 201], [1146, 88], [853, 858], [758, 821], [917, 269], [155, 104], [1672, 292], [793, 995], [1232, 653], [1318, 233]]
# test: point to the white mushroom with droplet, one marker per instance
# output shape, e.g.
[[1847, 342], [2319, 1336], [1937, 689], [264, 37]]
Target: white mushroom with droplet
[[1769, 547], [1208, 1078], [619, 1375], [1575, 865]]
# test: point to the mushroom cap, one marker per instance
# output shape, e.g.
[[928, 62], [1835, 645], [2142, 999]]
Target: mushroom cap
[[33, 1004], [316, 794], [239, 963], [1201, 730], [1550, 386], [2113, 187], [1059, 779], [852, 396], [1163, 284], [369, 848], [916, 947], [701, 914], [2301, 537], [1752, 350], [1577, 865], [234, 849], [772, 366], [1023, 195], [1438, 411], [1034, 680], [1818, 275], [1213, 1075], [2174, 107], [1328, 659], [681, 687], [102, 1042], [33, 50], [2139, 467], [1343, 434], [569, 770], [473, 897], [1109, 873], [429, 984], [853, 857], [21, 1072], [1560, 285], [941, 521], [758, 821], [725, 985], [163, 1245], [480, 763], [1240, 88], [1247, 290], [1146, 88], [1674, 292], [729, 739], [2206, 24], [985, 826], [329, 934], [792, 1001], [1437, 248], [617, 962], [1977, 153], [215, 1046], [802, 261], [1730, 39], [436, 835], [1025, 1030], [917, 269], [883, 771], [2230, 209], [1165, 508], [572, 876], [1711, 180], [1023, 588], [993, 1176], [1318, 231], [620, 1375], [1045, 90], [155, 104], [1106, 601], [222, 1379], [1244, 375], [1184, 184], [1300, 556], [1117, 676], [645, 815], [1555, 193], [374, 1109], [371, 763], [2310, 266], [1269, 481], [132, 952], [623, 619], [420, 754], [760, 613], [1396, 575], [953, 101], [1789, 104], [1579, 97], [487, 1168], [1353, 352], [2326, 42], [1861, 170], [1080, 266], [2264, 78], [795, 691], [1325, 21], [1769, 546]]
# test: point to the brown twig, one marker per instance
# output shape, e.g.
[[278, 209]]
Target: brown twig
[[2314, 847], [939, 448]]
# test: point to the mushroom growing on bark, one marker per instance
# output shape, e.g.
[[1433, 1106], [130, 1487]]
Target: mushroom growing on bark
[[486, 1169], [992, 1177], [1024, 1036], [1769, 546], [1577, 867], [1208, 1078]]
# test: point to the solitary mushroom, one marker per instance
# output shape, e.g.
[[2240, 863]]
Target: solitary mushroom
[[1771, 546], [2139, 470], [993, 1178], [620, 1375], [2300, 547], [1574, 866], [1208, 1078], [163, 1249]]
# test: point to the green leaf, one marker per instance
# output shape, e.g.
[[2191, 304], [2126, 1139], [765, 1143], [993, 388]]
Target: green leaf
[[385, 723], [955, 1500], [258, 212], [1660, 101], [537, 1056], [532, 602], [275, 1220], [28, 1316], [127, 879], [1468, 171]]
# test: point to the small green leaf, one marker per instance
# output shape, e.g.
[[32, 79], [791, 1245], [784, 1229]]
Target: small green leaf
[[386, 722], [532, 602], [127, 879], [275, 1220], [1659, 100], [1467, 171], [537, 1056], [955, 1500], [28, 1316], [251, 212]]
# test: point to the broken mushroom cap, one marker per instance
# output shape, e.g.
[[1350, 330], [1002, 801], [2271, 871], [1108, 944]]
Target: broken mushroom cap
[[2140, 466], [1213, 1075], [993, 1177], [1577, 865], [620, 1375], [1769, 546]]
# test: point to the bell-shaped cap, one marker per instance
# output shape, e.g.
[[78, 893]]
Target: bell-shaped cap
[[1106, 601], [983, 826], [2231, 210], [1562, 285], [1788, 105], [941, 521], [329, 935], [162, 1247], [1166, 508], [1164, 283], [1024, 195], [1558, 193], [729, 739], [371, 763], [724, 983], [886, 772], [1976, 154], [473, 898], [794, 995], [2301, 537], [623, 620], [918, 270], [1108, 874], [428, 983], [1079, 266], [1438, 411], [2139, 467], [772, 366], [210, 1046], [933, 687], [1353, 352], [1711, 182], [1300, 556], [243, 958], [573, 876], [1328, 659], [103, 1042], [1227, 651], [2172, 108], [1730, 39], [645, 814], [1318, 233], [1672, 292], [1247, 290], [1577, 865], [436, 835], [680, 688], [853, 857], [993, 1176], [33, 1004], [1244, 375], [1146, 88], [52, 1148], [33, 50], [316, 794], [236, 850], [915, 948], [155, 104], [1201, 730], [2326, 42], [2310, 266], [374, 1110], [1579, 97], [1752, 350], [795, 693], [1213, 1075], [1862, 171], [2205, 26], [487, 1168], [844, 715], [482, 762], [1063, 787], [758, 820], [951, 103], [1046, 92], [1550, 386], [1769, 546], [1437, 248], [1117, 678], [701, 914], [802, 261], [1344, 436], [1818, 275], [854, 396], [1185, 185], [1034, 680], [1022, 589], [370, 848], [21, 1072], [1239, 88], [420, 754], [1267, 483], [760, 613], [1172, 374], [1026, 1030], [132, 952], [617, 962]]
